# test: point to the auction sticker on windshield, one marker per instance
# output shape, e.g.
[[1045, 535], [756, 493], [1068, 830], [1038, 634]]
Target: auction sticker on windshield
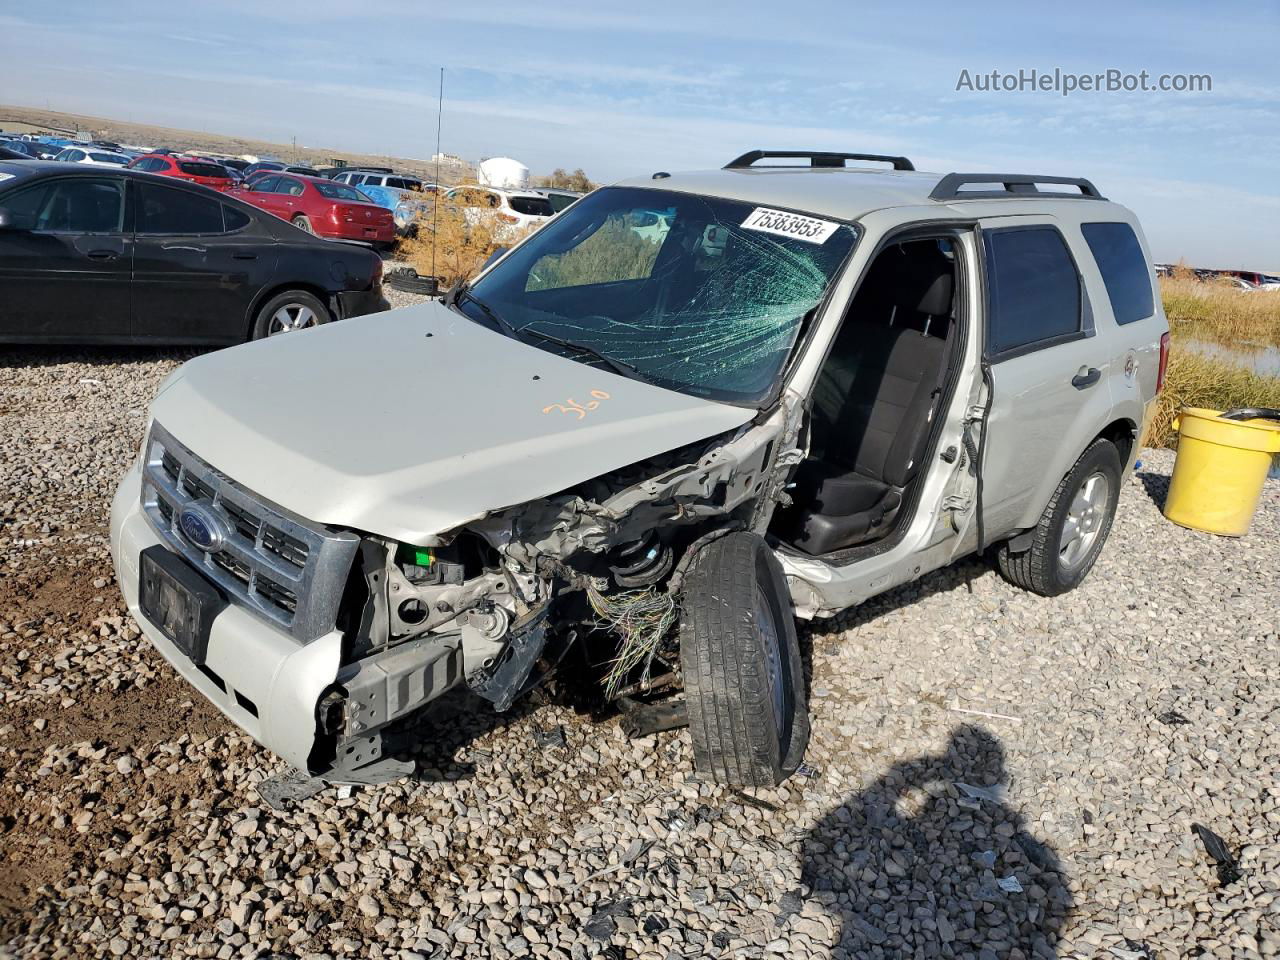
[[808, 229]]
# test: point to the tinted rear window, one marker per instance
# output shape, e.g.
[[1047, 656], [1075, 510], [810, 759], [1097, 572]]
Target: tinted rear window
[[196, 169], [1033, 289], [340, 191], [531, 206], [1124, 269]]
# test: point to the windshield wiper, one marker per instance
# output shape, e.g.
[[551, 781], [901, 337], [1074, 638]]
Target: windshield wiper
[[520, 333], [617, 366], [498, 321]]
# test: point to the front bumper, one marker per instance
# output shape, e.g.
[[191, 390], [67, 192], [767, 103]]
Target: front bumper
[[263, 680], [360, 303]]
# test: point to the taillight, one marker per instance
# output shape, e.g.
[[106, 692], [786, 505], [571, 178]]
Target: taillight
[[508, 218], [377, 272], [333, 213], [1164, 361]]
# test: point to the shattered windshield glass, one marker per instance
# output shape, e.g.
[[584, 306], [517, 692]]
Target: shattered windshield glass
[[698, 294]]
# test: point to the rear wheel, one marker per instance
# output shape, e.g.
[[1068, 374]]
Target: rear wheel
[[304, 224], [1073, 527], [743, 680], [287, 312]]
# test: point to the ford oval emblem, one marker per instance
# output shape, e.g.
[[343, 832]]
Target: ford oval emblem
[[205, 529]]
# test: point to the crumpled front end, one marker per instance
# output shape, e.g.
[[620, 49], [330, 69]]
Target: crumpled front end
[[327, 643]]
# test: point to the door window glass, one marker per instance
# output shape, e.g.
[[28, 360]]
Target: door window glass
[[170, 211], [69, 206], [1033, 289]]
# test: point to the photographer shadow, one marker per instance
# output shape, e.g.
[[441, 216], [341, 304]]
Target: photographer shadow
[[917, 866]]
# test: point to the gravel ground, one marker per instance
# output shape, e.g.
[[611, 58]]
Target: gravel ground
[[1089, 732]]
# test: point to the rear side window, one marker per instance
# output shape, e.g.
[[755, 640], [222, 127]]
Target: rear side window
[[1033, 290], [531, 206], [169, 211], [197, 169], [289, 187], [1124, 269], [234, 219]]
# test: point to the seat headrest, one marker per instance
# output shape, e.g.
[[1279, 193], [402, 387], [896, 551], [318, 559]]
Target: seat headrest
[[936, 299]]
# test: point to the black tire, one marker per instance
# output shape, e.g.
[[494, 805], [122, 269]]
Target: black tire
[[1047, 568], [743, 734], [291, 303], [304, 224]]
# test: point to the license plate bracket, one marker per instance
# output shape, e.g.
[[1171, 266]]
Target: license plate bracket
[[178, 600]]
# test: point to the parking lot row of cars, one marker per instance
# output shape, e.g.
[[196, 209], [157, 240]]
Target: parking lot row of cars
[[306, 196]]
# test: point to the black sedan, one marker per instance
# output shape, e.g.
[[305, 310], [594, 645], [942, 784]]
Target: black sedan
[[101, 255], [28, 150]]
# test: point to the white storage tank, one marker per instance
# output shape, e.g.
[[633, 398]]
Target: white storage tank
[[503, 172]]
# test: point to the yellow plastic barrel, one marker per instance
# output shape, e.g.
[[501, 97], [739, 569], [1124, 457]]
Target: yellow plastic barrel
[[1221, 467]]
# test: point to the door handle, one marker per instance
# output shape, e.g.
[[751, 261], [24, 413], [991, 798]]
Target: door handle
[[244, 256], [1087, 377], [103, 254]]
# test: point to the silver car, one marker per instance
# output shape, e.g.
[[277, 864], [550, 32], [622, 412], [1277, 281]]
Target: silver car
[[688, 410]]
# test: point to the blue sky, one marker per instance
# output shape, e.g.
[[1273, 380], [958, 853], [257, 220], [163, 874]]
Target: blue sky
[[624, 88]]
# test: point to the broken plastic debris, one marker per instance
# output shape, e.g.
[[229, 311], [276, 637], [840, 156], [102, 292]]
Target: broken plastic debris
[[805, 770], [756, 802], [288, 787], [1216, 848], [636, 850], [602, 924], [654, 924], [1172, 718], [1009, 884], [549, 739], [993, 794], [987, 858], [344, 792], [1132, 950]]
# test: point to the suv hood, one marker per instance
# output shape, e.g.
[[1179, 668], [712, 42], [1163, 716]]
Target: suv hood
[[412, 422]]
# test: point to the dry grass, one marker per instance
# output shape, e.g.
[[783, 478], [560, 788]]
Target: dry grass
[[1194, 380], [1213, 311], [1216, 310], [449, 247]]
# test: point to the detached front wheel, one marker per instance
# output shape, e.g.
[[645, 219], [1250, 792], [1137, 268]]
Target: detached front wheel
[[740, 656]]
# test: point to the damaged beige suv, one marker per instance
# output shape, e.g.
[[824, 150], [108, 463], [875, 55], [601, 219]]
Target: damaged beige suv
[[687, 410]]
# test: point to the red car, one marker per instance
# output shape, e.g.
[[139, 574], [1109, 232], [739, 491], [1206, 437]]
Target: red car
[[192, 169], [322, 207]]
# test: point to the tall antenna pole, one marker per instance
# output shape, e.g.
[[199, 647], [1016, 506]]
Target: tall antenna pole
[[435, 207]]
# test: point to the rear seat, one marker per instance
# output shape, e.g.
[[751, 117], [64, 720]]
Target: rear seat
[[873, 404]]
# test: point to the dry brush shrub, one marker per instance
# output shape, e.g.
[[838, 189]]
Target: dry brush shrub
[[451, 246]]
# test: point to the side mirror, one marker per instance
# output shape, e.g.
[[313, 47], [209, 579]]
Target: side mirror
[[6, 219]]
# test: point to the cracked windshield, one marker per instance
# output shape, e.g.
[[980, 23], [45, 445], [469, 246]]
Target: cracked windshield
[[696, 294]]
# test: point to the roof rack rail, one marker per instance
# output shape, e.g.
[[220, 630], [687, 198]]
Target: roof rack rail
[[816, 158], [1015, 185]]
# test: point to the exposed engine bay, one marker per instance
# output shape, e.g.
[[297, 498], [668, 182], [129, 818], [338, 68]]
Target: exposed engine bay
[[500, 602]]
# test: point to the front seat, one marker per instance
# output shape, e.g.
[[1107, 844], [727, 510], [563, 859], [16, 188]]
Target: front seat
[[867, 448]]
